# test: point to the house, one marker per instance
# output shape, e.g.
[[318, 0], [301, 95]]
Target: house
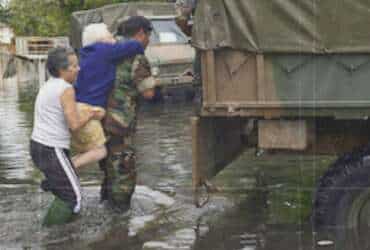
[[6, 36], [31, 53]]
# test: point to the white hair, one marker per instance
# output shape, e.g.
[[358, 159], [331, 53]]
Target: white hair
[[93, 33]]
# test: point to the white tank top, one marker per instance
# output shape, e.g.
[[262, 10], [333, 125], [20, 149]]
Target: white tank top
[[50, 126]]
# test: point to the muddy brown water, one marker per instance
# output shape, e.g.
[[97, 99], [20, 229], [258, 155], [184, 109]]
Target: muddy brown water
[[243, 216]]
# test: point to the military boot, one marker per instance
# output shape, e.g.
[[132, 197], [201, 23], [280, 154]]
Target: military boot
[[123, 185]]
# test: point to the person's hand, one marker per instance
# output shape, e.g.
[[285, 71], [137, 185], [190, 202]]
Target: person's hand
[[97, 113]]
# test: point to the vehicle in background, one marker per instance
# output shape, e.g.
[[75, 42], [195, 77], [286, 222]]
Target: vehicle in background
[[171, 55]]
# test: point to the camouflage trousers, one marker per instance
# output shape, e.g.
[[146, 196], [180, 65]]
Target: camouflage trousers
[[119, 172]]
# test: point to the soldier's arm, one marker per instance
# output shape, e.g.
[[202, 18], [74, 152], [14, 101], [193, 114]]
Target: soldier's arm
[[142, 76], [184, 9]]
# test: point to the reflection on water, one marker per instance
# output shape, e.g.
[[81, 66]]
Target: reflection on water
[[264, 203], [164, 154], [14, 134]]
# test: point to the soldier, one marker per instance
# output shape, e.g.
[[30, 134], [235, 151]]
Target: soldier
[[133, 78], [184, 14], [185, 10]]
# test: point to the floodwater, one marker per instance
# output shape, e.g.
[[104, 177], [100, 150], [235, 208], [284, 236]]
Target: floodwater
[[263, 202]]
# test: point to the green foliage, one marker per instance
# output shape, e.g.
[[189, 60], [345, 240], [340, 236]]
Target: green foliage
[[4, 14], [49, 17], [38, 17]]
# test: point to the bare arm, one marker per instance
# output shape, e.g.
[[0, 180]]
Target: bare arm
[[74, 120]]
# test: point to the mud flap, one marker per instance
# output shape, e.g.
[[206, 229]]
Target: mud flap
[[215, 143]]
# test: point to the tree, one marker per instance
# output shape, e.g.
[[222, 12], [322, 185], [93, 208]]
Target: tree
[[50, 17], [37, 17], [4, 14]]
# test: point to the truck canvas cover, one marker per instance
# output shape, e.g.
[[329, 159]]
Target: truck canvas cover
[[113, 14], [286, 26]]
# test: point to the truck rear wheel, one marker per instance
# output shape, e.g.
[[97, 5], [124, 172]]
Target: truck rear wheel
[[342, 199]]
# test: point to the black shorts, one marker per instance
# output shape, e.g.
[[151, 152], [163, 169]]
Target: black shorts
[[61, 178]]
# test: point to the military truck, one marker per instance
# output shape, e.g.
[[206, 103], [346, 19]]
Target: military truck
[[295, 76], [169, 50]]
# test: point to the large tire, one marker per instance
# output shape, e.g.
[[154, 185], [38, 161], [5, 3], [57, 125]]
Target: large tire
[[342, 197]]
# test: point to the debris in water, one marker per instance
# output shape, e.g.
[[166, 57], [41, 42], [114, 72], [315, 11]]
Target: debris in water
[[157, 245], [325, 243], [138, 223]]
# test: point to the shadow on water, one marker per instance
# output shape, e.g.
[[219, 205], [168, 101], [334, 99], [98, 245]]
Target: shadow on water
[[264, 202]]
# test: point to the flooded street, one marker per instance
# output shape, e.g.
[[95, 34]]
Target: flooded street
[[264, 202]]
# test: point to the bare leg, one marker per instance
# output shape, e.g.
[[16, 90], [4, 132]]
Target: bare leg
[[94, 155]]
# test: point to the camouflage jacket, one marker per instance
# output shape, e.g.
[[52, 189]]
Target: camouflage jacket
[[185, 4], [185, 20], [133, 76]]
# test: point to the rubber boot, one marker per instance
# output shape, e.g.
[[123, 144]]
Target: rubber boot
[[58, 213]]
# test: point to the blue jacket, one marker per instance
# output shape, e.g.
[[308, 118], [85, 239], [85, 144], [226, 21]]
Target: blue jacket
[[98, 69]]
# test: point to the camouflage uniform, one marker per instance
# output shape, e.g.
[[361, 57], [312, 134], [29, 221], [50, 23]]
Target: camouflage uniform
[[184, 20], [133, 76], [184, 3]]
